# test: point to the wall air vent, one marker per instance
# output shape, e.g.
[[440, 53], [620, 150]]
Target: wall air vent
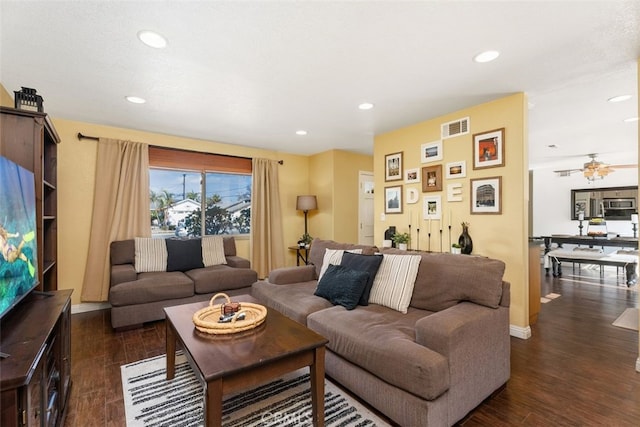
[[455, 128]]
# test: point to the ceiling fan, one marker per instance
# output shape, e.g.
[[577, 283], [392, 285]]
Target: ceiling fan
[[594, 170]]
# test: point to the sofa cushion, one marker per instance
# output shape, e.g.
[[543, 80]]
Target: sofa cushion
[[221, 277], [333, 257], [368, 263], [342, 286], [213, 251], [151, 287], [229, 246], [150, 254], [318, 246], [394, 282], [184, 254], [122, 252], [382, 342], [446, 279], [295, 301]]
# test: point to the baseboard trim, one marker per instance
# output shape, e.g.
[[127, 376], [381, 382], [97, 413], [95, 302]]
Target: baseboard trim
[[520, 332], [89, 306]]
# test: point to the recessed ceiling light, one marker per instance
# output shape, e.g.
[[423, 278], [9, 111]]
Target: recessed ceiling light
[[619, 98], [630, 119], [301, 132], [486, 56], [365, 106], [135, 99], [152, 39]]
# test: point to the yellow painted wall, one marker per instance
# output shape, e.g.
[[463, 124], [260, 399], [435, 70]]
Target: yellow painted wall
[[76, 170], [347, 166], [502, 236], [6, 100], [334, 180]]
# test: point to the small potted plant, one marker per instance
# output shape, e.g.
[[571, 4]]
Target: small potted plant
[[305, 241], [456, 248], [401, 240]]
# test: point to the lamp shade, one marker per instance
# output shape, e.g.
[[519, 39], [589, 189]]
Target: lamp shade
[[306, 203]]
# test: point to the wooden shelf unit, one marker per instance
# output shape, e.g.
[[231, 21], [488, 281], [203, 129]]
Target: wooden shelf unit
[[30, 140], [35, 378]]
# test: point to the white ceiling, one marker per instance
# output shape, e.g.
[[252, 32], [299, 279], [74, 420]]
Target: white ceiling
[[253, 72]]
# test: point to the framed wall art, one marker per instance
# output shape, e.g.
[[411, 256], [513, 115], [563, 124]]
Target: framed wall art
[[488, 149], [432, 208], [431, 152], [393, 199], [393, 167], [431, 178], [486, 195], [412, 176], [456, 170]]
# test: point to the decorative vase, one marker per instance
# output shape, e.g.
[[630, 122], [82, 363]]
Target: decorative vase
[[465, 240], [456, 251], [402, 246]]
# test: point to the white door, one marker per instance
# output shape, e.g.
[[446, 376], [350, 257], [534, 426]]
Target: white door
[[365, 208]]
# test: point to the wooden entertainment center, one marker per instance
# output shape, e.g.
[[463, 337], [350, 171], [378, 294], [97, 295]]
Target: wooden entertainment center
[[35, 339], [36, 374]]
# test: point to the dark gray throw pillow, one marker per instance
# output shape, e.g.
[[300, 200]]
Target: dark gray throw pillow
[[184, 254], [342, 286], [367, 263]]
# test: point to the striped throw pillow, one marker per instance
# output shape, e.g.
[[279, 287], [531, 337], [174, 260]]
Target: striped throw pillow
[[394, 281], [150, 254], [334, 256], [213, 251]]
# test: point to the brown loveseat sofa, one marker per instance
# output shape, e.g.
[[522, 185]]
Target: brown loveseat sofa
[[430, 366], [140, 297]]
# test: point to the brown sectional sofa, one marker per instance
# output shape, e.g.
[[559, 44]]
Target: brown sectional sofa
[[141, 297], [430, 366]]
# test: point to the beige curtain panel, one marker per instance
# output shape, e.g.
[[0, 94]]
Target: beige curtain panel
[[120, 208], [267, 244]]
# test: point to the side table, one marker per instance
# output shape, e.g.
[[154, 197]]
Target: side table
[[302, 254]]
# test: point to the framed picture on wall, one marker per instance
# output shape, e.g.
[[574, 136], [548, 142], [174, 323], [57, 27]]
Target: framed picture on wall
[[412, 176], [431, 152], [486, 195], [456, 170], [393, 167], [393, 199], [432, 208], [488, 149], [431, 178]]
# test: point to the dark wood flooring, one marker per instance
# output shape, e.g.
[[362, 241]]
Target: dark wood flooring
[[576, 370]]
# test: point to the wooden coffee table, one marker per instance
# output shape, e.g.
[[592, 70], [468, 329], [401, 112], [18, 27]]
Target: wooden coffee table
[[229, 363]]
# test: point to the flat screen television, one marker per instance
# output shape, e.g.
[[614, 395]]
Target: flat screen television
[[18, 243]]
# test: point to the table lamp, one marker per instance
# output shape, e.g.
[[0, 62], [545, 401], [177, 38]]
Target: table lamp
[[306, 204]]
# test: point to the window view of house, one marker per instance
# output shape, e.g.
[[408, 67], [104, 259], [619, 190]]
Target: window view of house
[[177, 203]]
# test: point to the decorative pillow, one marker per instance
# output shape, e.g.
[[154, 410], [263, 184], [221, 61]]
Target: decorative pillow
[[184, 254], [342, 286], [151, 254], [393, 284], [213, 251], [334, 256], [367, 263]]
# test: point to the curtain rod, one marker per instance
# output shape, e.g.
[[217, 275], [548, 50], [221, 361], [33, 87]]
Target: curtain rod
[[95, 138]]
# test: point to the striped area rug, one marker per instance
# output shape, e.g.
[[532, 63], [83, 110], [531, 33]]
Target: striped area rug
[[152, 401]]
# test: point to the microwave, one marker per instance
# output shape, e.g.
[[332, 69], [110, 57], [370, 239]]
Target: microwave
[[627, 203]]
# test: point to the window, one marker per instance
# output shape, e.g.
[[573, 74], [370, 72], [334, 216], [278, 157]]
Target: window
[[179, 179]]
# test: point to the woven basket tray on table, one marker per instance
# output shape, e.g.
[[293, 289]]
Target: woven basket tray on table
[[207, 319]]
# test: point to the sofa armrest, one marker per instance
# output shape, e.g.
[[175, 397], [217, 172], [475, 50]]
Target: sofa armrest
[[238, 262], [475, 340], [288, 275], [123, 273]]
